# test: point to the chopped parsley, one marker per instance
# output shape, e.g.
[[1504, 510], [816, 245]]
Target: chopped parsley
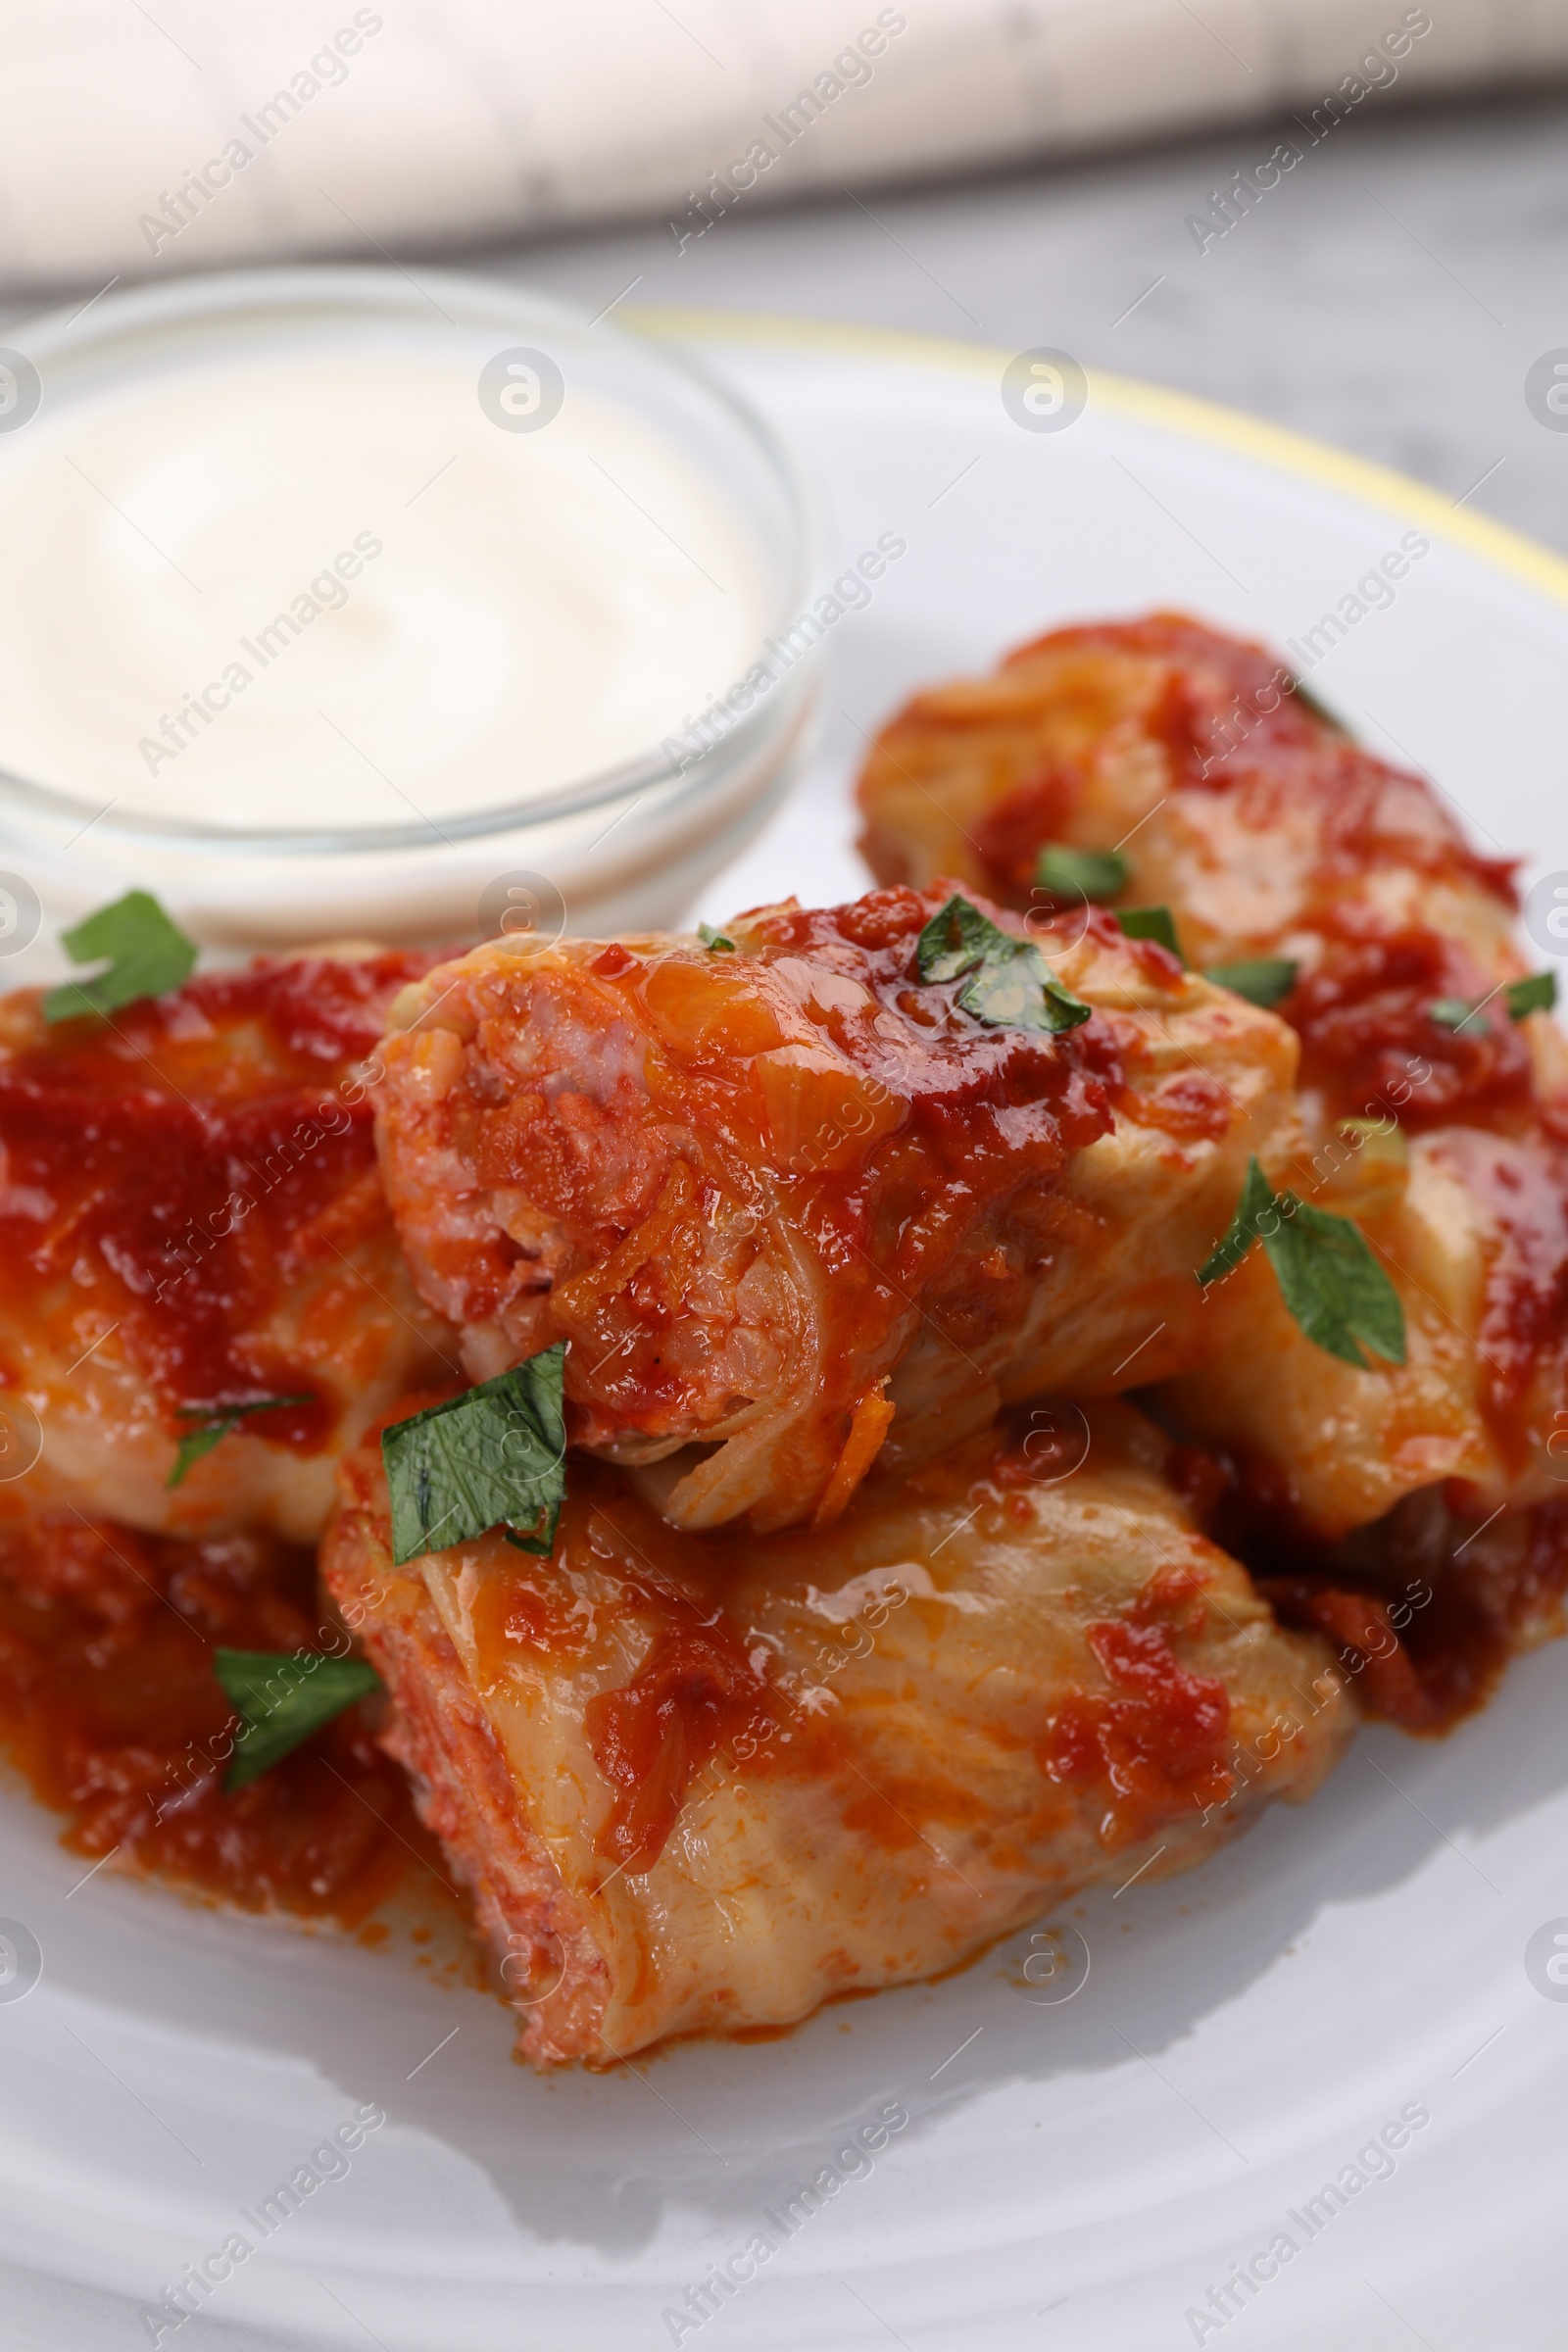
[[1150, 922], [1097, 874], [214, 1423], [1011, 984], [283, 1696], [144, 955], [1261, 979], [1329, 1279], [494, 1457], [717, 943], [1537, 994]]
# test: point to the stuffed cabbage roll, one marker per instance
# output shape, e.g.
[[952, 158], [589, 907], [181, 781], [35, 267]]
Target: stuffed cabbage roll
[[1232, 799], [702, 1783], [1297, 865], [834, 1179], [1472, 1229], [199, 1280]]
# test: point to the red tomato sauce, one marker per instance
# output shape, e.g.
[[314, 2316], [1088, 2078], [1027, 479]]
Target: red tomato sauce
[[1157, 1741], [1009, 836], [958, 1076], [1370, 1043], [1524, 1189], [1231, 722], [908, 1145], [176, 1162], [110, 1710], [694, 1694]]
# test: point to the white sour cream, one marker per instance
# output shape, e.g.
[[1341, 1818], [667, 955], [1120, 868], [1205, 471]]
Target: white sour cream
[[323, 590]]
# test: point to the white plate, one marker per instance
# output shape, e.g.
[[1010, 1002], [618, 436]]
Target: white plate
[[1075, 2176]]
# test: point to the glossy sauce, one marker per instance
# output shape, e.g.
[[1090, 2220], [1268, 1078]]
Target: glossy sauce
[[1226, 719], [701, 1690], [1158, 1740], [1369, 1041], [695, 1693], [1523, 1190], [1228, 722], [1231, 720], [1378, 892], [934, 1117], [172, 1166]]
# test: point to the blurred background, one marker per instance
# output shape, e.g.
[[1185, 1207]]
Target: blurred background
[[1348, 215]]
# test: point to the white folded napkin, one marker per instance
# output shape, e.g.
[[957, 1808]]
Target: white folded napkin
[[138, 139]]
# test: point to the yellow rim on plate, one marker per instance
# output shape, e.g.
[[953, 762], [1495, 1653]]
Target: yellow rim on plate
[[1204, 421]]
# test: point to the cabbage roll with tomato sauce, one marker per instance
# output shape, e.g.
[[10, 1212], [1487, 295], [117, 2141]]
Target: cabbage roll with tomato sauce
[[794, 1207], [192, 1226], [1434, 1104], [704, 1783]]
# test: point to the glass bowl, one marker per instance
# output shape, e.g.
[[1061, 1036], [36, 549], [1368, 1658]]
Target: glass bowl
[[625, 846]]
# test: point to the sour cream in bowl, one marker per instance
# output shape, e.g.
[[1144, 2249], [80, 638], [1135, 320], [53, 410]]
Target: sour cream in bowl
[[339, 604]]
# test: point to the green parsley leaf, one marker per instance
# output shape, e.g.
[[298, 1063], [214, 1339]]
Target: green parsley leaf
[[955, 939], [1538, 994], [1150, 922], [1334, 1286], [1329, 1279], [214, 1423], [283, 1696], [717, 943], [1261, 979], [146, 956], [1097, 874], [1256, 1200], [495, 1458], [1013, 986]]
